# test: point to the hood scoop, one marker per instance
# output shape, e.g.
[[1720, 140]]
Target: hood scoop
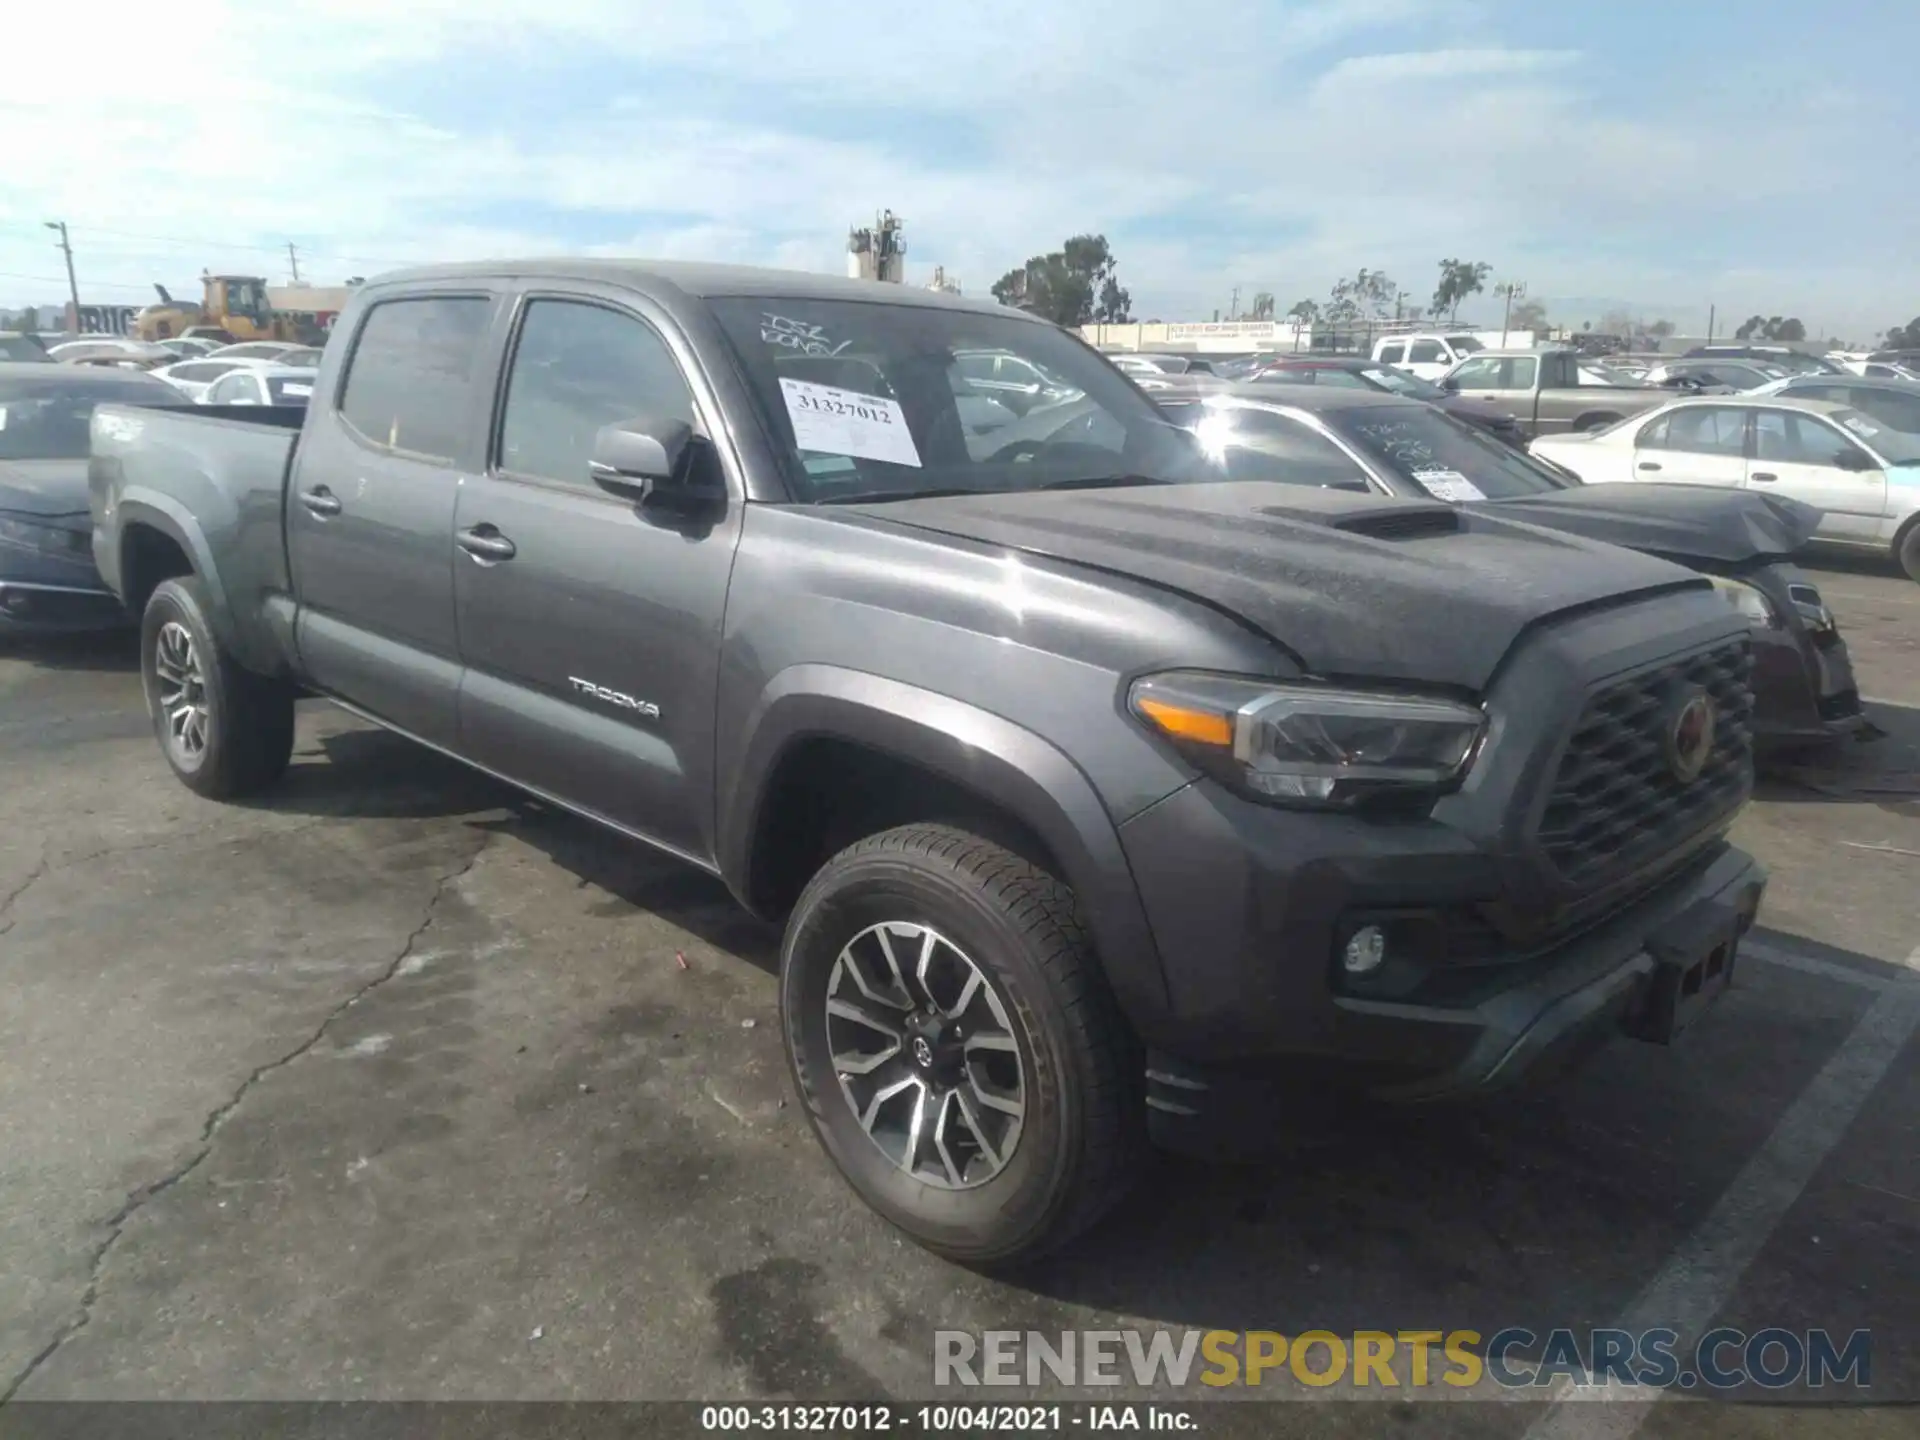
[[1399, 520]]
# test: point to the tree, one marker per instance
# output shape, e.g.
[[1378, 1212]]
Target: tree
[[1070, 286], [1305, 312], [1904, 337], [1369, 292], [1771, 327], [1661, 329], [1616, 322], [1262, 306], [1528, 315], [1458, 280]]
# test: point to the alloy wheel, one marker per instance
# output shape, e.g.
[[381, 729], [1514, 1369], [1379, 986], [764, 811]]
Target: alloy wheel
[[925, 1054], [181, 690]]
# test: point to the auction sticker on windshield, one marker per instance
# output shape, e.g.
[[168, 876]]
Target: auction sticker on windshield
[[1448, 485], [847, 422]]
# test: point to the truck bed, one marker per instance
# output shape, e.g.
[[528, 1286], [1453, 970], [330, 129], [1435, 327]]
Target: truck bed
[[211, 480]]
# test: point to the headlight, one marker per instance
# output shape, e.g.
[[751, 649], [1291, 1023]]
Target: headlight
[[1748, 601], [1311, 745], [47, 539]]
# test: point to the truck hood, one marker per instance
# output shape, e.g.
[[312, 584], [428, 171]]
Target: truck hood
[[1687, 522], [45, 489], [1355, 585]]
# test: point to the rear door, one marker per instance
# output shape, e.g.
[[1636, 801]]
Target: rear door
[[370, 507], [1505, 382], [1802, 456], [1694, 445], [590, 624]]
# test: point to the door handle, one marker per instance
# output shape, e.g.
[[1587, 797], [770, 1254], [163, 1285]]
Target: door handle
[[320, 500], [1763, 476], [486, 544], [1649, 465]]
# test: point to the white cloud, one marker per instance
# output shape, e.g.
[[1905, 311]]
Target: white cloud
[[1237, 143]]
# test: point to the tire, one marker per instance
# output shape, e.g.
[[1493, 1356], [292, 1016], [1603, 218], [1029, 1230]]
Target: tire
[[1907, 551], [244, 728], [1080, 1140]]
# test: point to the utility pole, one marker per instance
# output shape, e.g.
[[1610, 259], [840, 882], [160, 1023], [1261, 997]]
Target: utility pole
[[73, 285], [1513, 290], [1711, 313], [1233, 309], [293, 262]]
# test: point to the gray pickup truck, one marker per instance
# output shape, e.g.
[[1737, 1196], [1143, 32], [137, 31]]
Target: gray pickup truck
[[1541, 388], [1103, 798]]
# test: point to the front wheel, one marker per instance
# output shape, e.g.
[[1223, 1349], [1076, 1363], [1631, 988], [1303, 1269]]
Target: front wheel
[[956, 1048], [1907, 552], [224, 730]]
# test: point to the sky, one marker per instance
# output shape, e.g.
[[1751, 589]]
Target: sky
[[1661, 157]]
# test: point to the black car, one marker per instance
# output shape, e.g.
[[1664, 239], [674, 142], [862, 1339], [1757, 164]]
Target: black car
[[47, 578], [1355, 440]]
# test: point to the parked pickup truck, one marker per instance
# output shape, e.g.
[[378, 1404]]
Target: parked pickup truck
[[1543, 390], [1096, 791]]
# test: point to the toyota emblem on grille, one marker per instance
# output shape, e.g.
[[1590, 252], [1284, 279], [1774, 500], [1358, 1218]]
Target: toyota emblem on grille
[[1690, 734]]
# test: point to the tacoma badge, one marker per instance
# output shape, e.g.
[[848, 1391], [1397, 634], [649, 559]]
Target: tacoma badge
[[615, 698]]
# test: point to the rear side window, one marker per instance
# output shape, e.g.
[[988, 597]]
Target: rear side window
[[1426, 352], [1703, 430], [1396, 354], [409, 380]]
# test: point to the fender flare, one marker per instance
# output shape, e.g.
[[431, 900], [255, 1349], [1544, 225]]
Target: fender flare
[[1006, 764], [176, 522]]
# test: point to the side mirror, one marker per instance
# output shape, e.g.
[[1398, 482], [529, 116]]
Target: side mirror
[[638, 458], [1855, 460], [1448, 383]]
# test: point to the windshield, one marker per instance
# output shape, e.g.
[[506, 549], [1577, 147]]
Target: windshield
[[47, 419], [1385, 377], [1896, 447], [879, 401], [1440, 455]]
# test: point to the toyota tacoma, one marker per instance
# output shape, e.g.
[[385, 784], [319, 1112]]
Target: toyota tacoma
[[1095, 790]]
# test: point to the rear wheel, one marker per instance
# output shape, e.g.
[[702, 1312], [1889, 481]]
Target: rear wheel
[[957, 1050], [224, 730]]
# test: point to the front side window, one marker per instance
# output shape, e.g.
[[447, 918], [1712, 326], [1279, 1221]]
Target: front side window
[[1477, 375], [1790, 439], [1489, 372], [576, 369], [1426, 352], [1397, 354], [1705, 430], [410, 377]]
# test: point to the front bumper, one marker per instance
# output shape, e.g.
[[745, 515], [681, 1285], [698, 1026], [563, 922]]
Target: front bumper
[[1646, 972], [1804, 689], [34, 608]]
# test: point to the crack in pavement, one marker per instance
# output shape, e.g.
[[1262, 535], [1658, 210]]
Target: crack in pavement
[[34, 876], [116, 1223]]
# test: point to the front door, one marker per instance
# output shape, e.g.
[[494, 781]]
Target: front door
[[1694, 445], [1804, 457], [590, 624], [370, 510]]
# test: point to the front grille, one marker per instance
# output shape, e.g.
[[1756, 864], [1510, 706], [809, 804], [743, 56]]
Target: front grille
[[1616, 802]]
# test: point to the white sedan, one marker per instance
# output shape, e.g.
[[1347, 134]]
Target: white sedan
[[1863, 475], [256, 350], [261, 385], [192, 378]]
